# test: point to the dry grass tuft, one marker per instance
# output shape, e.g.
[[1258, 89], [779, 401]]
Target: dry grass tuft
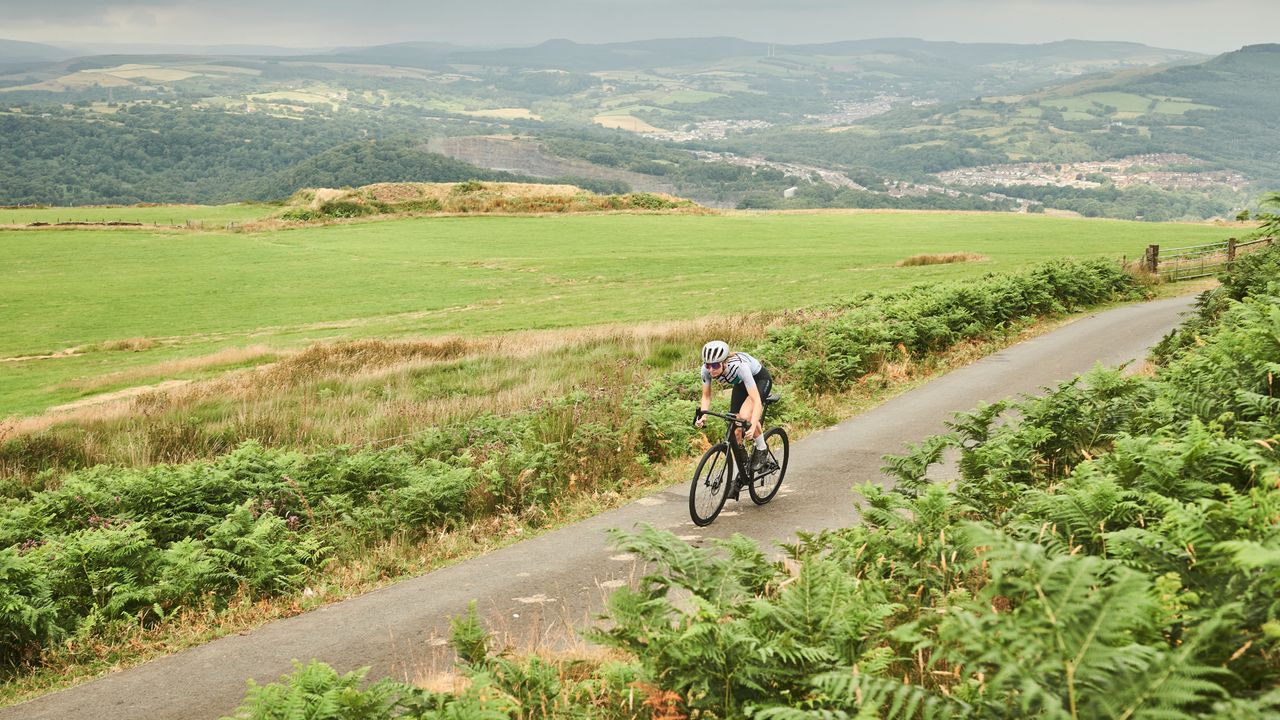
[[321, 196], [229, 356], [136, 344], [393, 193], [894, 371], [1142, 369], [471, 197], [367, 391], [362, 356], [941, 259], [1138, 270], [448, 681]]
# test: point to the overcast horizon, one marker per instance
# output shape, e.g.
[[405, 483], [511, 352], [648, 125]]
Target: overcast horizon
[[1176, 24]]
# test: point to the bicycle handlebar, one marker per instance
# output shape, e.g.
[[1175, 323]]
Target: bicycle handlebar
[[727, 416]]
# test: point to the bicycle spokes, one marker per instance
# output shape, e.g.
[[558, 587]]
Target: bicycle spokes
[[713, 483], [709, 491], [774, 466]]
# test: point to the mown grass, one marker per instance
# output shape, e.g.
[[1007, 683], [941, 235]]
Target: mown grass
[[196, 294], [210, 215]]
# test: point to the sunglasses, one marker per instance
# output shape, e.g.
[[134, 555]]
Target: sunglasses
[[714, 366]]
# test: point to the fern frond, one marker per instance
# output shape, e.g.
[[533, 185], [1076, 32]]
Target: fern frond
[[885, 697], [911, 468]]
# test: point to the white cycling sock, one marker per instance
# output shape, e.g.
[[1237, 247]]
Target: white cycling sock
[[760, 443]]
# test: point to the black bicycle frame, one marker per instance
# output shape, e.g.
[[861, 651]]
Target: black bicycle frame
[[736, 449]]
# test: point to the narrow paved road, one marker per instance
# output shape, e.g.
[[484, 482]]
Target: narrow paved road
[[533, 590]]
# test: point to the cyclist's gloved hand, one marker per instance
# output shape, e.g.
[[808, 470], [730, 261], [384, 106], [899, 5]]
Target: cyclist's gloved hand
[[699, 422]]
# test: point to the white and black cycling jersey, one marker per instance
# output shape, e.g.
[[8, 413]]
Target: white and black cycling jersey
[[739, 368]]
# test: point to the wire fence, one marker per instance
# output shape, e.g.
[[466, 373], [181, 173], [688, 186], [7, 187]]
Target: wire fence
[[1197, 261]]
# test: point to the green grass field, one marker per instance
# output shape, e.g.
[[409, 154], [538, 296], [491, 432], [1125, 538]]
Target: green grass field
[[193, 294], [156, 215], [1134, 105], [686, 97]]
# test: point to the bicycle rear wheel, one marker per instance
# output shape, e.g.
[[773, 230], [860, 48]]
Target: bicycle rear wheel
[[710, 485], [765, 485]]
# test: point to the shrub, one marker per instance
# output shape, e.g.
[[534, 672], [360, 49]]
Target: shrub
[[329, 695], [187, 573], [664, 409], [427, 205], [360, 474], [467, 187], [101, 573], [29, 617], [648, 201], [434, 496], [831, 354], [261, 552], [1251, 274], [301, 214], [346, 209]]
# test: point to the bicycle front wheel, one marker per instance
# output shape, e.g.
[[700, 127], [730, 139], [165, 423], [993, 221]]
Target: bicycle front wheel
[[710, 485], [766, 484]]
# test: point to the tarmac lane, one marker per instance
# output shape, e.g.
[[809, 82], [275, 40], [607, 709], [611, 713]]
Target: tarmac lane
[[537, 592]]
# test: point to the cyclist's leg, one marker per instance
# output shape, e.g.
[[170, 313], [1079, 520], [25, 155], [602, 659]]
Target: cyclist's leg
[[764, 383], [752, 445], [739, 402]]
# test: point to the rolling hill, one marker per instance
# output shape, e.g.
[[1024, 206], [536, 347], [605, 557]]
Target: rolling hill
[[865, 123], [16, 56]]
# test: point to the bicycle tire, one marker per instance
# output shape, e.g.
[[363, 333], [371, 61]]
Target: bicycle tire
[[717, 478], [776, 439]]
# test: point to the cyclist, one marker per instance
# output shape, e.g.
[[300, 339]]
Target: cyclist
[[750, 382]]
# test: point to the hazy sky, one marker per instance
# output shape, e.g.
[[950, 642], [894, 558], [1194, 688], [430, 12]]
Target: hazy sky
[[1200, 25]]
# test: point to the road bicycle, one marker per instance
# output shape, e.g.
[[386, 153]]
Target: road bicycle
[[715, 479]]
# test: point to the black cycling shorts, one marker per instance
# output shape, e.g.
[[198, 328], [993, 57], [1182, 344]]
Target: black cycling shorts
[[764, 384]]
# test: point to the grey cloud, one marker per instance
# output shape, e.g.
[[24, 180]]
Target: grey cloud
[[1188, 24], [70, 10]]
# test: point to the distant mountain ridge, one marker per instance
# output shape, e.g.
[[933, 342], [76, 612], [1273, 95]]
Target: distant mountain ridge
[[986, 53], [17, 51], [666, 52], [568, 54], [721, 119]]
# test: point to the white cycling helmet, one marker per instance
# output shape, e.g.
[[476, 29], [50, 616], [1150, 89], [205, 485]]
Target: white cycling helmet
[[715, 351]]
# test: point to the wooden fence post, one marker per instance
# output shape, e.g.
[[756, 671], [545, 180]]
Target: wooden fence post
[[1153, 259], [1231, 250]]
